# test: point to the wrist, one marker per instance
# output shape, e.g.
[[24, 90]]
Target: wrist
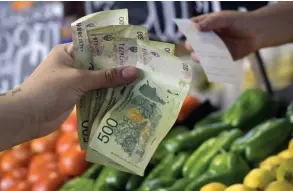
[[259, 29], [16, 117], [272, 25]]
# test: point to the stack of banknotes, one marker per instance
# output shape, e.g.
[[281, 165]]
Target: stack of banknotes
[[121, 127]]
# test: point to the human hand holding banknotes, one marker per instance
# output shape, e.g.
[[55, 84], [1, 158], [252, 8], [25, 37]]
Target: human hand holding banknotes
[[121, 127]]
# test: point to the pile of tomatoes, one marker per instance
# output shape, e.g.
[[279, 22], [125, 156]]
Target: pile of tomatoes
[[45, 163]]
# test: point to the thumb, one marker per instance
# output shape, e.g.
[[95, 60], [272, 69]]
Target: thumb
[[107, 78]]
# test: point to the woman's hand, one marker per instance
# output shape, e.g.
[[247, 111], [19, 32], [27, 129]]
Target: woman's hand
[[244, 33], [233, 27]]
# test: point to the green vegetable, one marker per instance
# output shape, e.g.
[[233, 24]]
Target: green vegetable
[[112, 179], [191, 140], [227, 168], [174, 170], [93, 171], [214, 117], [85, 182], [194, 158], [263, 140], [199, 161], [161, 151], [133, 182], [106, 187], [78, 184], [157, 171], [251, 108], [179, 185], [290, 112], [175, 131], [157, 183]]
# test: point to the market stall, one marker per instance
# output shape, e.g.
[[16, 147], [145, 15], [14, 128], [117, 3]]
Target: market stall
[[225, 138]]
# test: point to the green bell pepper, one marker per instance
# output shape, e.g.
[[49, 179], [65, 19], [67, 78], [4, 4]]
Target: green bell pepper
[[157, 183], [290, 112], [174, 170], [107, 187], [133, 182], [261, 141], [199, 161], [214, 117], [78, 184], [191, 140], [93, 171], [179, 185], [175, 131], [111, 178], [157, 171], [227, 168], [85, 182], [161, 151], [251, 108]]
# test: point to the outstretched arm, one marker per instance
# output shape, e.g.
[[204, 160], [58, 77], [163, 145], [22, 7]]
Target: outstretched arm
[[39, 105], [244, 33], [274, 24]]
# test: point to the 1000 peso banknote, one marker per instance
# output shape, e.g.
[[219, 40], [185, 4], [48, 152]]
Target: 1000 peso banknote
[[83, 59], [131, 130]]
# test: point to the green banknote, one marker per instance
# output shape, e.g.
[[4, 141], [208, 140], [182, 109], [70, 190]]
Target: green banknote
[[131, 130], [106, 55], [124, 53], [83, 59]]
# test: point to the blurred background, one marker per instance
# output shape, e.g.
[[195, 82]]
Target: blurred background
[[30, 29]]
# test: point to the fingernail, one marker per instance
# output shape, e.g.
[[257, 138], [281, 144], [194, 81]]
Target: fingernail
[[129, 73]]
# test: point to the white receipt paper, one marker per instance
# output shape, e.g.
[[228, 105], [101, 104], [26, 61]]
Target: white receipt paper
[[212, 53]]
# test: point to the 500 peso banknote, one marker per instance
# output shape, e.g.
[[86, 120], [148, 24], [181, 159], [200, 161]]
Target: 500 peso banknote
[[83, 59], [131, 130]]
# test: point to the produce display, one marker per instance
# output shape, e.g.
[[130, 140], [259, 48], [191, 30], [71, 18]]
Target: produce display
[[229, 150], [44, 164], [235, 150]]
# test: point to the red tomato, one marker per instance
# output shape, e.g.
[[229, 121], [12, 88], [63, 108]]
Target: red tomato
[[41, 145], [21, 186], [70, 125], [41, 159], [41, 164], [7, 181], [9, 162], [189, 104], [18, 173], [65, 142], [22, 153], [52, 137], [51, 182], [45, 144], [12, 177], [72, 162], [22, 146], [37, 173], [3, 153]]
